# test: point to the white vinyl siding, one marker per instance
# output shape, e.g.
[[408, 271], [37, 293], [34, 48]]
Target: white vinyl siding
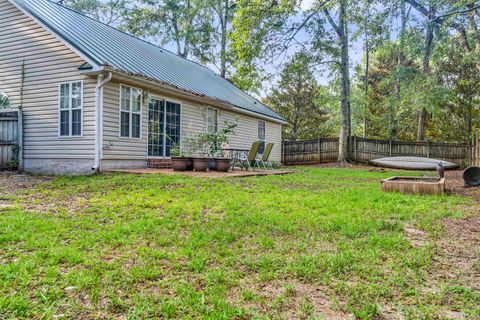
[[70, 117], [114, 146], [48, 63], [4, 101], [245, 133], [192, 122]]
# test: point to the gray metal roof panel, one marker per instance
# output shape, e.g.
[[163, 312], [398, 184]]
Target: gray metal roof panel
[[106, 45]]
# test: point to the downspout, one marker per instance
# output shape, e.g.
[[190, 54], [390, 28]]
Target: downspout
[[101, 82]]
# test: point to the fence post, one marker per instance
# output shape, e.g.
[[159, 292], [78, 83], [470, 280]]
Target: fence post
[[20, 138], [428, 149], [283, 151], [355, 148], [319, 150], [390, 146]]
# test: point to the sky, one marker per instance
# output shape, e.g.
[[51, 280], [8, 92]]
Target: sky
[[323, 75], [274, 69]]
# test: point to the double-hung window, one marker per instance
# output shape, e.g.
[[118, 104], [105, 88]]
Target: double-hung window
[[130, 112], [261, 136], [71, 109], [212, 120]]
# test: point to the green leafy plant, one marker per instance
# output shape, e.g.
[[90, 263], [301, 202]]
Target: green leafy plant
[[213, 142], [175, 150], [189, 144]]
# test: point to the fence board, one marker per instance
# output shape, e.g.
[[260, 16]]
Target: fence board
[[310, 151], [476, 150], [9, 139], [363, 150]]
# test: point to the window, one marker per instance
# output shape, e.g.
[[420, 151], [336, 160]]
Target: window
[[156, 121], [71, 106], [212, 120], [4, 101], [261, 136], [130, 112], [163, 127], [172, 125]]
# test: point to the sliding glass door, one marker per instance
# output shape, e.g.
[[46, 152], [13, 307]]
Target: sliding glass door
[[163, 127]]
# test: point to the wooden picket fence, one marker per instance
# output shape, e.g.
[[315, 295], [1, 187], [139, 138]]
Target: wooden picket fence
[[11, 130], [362, 150], [476, 150]]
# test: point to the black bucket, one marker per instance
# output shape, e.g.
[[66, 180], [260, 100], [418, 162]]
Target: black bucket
[[471, 176]]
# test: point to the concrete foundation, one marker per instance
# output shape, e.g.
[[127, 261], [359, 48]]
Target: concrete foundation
[[123, 164], [59, 166]]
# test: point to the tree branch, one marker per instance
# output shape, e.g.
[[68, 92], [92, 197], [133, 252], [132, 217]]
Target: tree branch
[[332, 22], [446, 15], [418, 7]]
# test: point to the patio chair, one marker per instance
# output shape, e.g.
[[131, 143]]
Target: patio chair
[[266, 154], [249, 160]]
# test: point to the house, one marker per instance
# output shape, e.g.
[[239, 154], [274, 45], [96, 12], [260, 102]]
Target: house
[[95, 98]]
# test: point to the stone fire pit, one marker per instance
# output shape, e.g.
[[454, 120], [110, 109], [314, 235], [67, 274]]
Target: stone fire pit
[[410, 185]]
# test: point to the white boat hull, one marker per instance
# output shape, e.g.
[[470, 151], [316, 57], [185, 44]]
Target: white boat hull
[[412, 163]]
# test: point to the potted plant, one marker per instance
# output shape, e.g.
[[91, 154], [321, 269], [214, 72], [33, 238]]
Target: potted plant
[[179, 163], [196, 149], [214, 143], [188, 149], [200, 162]]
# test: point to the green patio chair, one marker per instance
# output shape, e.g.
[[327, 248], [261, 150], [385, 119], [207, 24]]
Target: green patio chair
[[266, 154], [250, 160]]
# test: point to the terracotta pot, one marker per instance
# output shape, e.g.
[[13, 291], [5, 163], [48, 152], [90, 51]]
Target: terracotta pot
[[222, 164], [200, 164], [212, 165], [179, 163], [189, 164]]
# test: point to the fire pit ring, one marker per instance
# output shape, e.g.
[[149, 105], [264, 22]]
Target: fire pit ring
[[412, 185]]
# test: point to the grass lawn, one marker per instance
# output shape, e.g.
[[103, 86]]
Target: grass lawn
[[321, 243]]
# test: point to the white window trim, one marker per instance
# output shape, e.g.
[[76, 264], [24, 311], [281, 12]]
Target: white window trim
[[206, 119], [165, 99], [130, 112], [59, 132], [264, 140]]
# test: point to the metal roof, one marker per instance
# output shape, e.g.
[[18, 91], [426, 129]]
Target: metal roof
[[106, 46]]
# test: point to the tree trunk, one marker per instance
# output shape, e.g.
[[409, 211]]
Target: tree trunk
[[422, 117], [223, 49], [345, 130], [400, 65], [367, 65]]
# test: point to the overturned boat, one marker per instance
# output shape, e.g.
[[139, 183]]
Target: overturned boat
[[412, 163]]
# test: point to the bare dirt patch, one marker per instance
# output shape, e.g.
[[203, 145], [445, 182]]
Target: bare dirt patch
[[290, 299], [12, 191], [456, 263], [458, 258], [12, 182], [455, 185], [11, 185]]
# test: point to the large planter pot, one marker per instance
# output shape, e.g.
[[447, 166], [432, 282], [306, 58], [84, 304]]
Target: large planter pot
[[200, 164], [179, 163], [212, 165], [222, 164], [189, 164]]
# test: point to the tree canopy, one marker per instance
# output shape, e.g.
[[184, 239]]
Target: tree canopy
[[418, 77]]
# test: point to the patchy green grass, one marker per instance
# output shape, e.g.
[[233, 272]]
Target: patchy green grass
[[318, 243]]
